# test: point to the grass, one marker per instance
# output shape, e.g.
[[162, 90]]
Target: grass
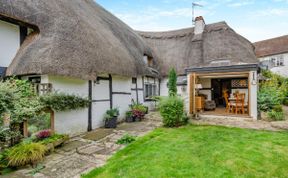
[[201, 151]]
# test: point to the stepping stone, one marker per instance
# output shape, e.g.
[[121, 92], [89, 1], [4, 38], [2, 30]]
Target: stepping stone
[[70, 146], [98, 134], [90, 149], [280, 125], [70, 167]]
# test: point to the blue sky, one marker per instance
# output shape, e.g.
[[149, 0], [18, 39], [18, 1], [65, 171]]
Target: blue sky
[[254, 19]]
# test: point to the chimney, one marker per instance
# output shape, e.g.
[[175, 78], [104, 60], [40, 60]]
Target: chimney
[[199, 25]]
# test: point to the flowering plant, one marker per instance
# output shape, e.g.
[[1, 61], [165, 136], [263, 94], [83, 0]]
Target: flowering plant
[[43, 134], [137, 113]]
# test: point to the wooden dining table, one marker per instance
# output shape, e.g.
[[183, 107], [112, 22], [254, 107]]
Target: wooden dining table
[[234, 99]]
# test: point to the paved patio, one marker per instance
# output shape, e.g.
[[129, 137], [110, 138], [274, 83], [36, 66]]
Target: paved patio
[[86, 152]]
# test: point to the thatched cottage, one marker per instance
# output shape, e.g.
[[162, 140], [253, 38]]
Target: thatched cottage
[[79, 47]]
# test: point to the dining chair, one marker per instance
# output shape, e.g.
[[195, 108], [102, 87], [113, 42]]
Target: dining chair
[[228, 104], [239, 105]]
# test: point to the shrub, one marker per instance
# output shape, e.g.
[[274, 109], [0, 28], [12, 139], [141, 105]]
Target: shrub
[[3, 160], [172, 111], [278, 108], [268, 97], [43, 134], [276, 116], [24, 154], [172, 83], [274, 91], [285, 102], [126, 139]]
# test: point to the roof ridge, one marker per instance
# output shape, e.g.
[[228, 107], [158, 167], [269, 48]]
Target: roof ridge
[[270, 39]]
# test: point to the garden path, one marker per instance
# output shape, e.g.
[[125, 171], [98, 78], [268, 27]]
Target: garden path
[[86, 152]]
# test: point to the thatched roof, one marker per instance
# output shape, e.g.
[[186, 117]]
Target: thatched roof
[[219, 45], [81, 39], [75, 38], [272, 46]]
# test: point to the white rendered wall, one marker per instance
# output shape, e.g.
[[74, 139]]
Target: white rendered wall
[[71, 122], [281, 70], [253, 94], [163, 87], [9, 42], [121, 101], [100, 91]]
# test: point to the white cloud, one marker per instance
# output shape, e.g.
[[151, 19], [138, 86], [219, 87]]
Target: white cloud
[[240, 4], [152, 18], [282, 12], [285, 1]]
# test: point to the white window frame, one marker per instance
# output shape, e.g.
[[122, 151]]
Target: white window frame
[[150, 90]]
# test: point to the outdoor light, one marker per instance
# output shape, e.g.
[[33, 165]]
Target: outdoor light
[[254, 82]]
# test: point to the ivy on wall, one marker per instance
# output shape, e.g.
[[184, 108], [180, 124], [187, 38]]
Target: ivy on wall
[[63, 102]]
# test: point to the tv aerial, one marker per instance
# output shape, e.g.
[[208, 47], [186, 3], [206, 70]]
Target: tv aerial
[[193, 11]]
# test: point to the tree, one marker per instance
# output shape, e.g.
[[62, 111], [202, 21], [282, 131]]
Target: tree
[[172, 83]]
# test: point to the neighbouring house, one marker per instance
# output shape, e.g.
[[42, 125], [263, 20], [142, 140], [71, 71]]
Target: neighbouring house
[[273, 54], [78, 47]]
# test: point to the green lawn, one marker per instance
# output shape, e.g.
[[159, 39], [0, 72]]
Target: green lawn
[[201, 151]]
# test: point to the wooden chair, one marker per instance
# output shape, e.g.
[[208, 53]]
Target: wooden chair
[[239, 104], [228, 104]]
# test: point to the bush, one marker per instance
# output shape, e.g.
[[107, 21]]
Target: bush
[[3, 160], [275, 115], [285, 102], [278, 108], [172, 111], [24, 154], [268, 97], [126, 139], [274, 91]]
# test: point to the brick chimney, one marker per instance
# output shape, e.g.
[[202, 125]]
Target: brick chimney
[[199, 25]]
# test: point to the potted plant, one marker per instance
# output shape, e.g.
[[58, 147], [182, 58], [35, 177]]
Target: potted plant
[[129, 116], [138, 114], [111, 118]]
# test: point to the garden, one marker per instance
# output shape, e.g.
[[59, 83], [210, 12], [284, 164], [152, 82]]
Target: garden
[[201, 151], [181, 150], [272, 96], [26, 133]]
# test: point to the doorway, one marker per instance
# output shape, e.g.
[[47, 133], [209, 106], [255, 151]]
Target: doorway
[[219, 86]]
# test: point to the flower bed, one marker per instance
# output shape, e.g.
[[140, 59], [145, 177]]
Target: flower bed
[[30, 150]]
